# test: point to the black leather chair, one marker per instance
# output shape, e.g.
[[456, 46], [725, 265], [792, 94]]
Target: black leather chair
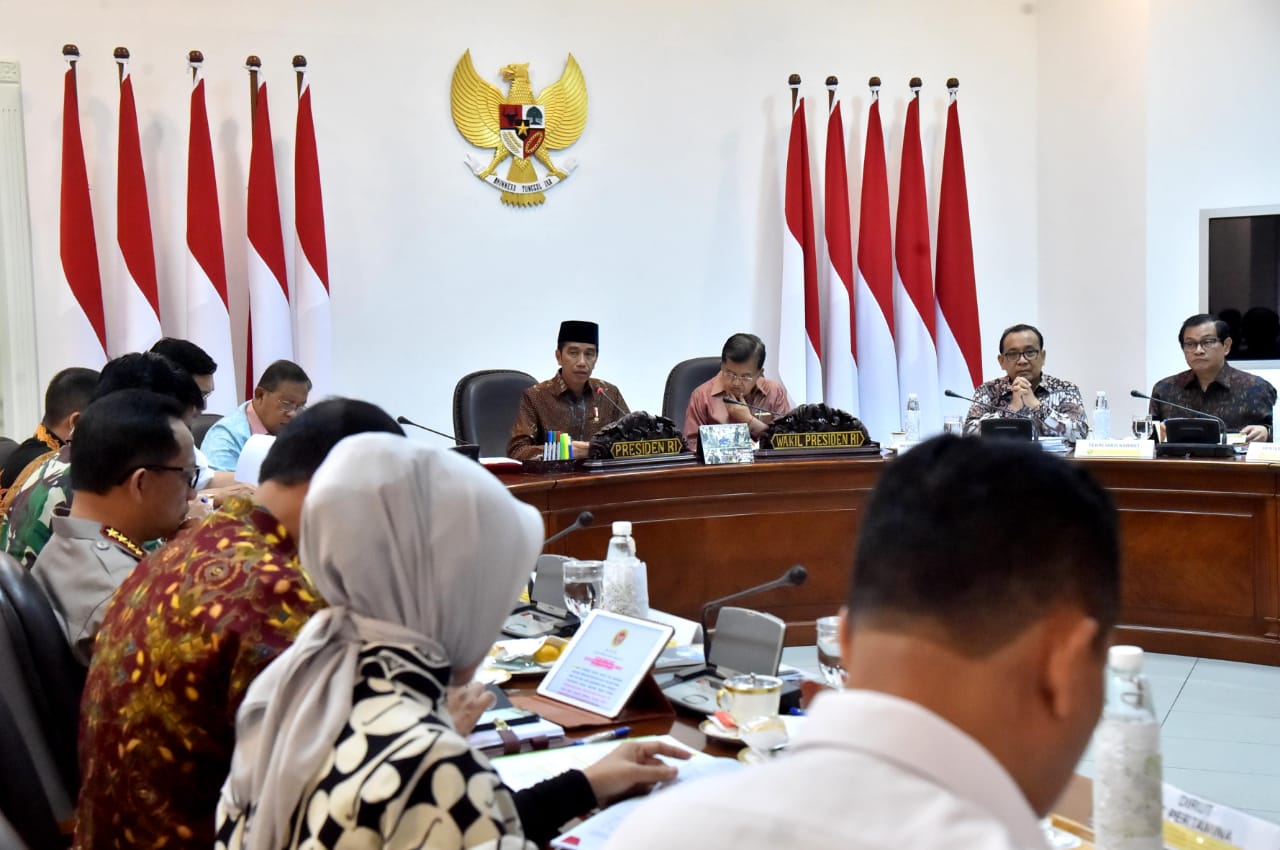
[[7, 448], [686, 377], [32, 798], [49, 673], [201, 426], [484, 407]]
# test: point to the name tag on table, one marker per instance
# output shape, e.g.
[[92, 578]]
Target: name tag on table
[[1194, 823], [1143, 449], [1263, 453]]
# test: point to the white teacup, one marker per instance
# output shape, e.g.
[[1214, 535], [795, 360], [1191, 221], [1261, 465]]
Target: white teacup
[[749, 696]]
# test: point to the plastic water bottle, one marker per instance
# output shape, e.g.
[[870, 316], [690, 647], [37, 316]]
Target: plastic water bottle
[[911, 422], [1128, 806], [1101, 417], [626, 578]]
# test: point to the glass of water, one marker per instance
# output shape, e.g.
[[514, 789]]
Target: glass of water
[[829, 651], [583, 586], [1142, 426]]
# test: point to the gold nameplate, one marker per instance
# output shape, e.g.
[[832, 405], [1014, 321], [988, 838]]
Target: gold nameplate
[[646, 448], [820, 440]]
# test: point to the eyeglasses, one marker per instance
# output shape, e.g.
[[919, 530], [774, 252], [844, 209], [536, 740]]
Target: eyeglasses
[[1208, 343], [734, 376], [1028, 355], [191, 472], [290, 406]]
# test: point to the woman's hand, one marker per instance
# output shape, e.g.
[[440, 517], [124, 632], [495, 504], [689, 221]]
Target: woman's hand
[[631, 767], [466, 704]]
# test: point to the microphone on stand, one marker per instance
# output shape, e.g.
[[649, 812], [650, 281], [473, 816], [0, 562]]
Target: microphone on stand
[[583, 520], [600, 393], [1222, 423], [994, 409], [471, 450], [793, 577]]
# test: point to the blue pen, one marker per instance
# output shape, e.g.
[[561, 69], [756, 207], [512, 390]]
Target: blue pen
[[611, 735], [796, 712]]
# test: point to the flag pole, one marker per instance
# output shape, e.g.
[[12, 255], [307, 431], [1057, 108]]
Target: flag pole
[[122, 59], [253, 64], [915, 87], [953, 88], [794, 82], [300, 68], [71, 54], [874, 85], [832, 82], [195, 59]]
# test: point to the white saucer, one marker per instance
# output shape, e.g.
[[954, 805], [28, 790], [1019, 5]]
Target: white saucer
[[711, 730]]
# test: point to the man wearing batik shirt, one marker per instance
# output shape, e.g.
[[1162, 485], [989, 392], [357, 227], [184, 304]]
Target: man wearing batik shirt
[[738, 393], [1242, 400], [571, 402], [183, 638], [1053, 405], [67, 394]]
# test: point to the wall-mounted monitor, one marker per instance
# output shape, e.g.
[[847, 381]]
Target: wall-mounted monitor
[[1240, 266]]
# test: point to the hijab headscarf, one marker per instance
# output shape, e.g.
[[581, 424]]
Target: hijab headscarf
[[409, 545]]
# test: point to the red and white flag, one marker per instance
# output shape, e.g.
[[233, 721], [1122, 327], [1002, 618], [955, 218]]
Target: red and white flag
[[799, 332], [270, 325], [873, 293], [311, 265], [913, 302], [137, 304], [208, 302], [82, 320], [840, 367], [959, 340]]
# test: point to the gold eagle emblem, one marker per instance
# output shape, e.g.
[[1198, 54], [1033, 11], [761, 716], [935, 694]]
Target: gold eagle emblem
[[519, 126]]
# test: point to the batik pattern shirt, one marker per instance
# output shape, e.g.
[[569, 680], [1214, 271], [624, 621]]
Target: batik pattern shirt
[[180, 642], [1060, 414], [552, 406], [400, 775], [33, 503], [1236, 397]]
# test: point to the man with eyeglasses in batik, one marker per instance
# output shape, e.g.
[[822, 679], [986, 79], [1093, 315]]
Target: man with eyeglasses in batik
[[133, 473], [1242, 400], [1053, 405], [281, 394], [739, 392]]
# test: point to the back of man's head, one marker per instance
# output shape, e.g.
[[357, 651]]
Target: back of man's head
[[191, 357], [69, 392], [119, 433], [978, 539], [149, 371], [303, 444]]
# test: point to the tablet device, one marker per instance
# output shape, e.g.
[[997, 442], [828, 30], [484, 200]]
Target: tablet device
[[605, 662]]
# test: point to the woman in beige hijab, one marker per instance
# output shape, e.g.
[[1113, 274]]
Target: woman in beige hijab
[[346, 739]]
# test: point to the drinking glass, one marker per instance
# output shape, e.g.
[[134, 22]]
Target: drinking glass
[[583, 586], [829, 651], [953, 425], [1142, 426]]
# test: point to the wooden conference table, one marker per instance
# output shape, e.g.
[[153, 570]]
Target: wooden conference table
[[1200, 540]]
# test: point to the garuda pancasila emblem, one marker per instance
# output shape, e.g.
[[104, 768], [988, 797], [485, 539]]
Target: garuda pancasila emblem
[[519, 126]]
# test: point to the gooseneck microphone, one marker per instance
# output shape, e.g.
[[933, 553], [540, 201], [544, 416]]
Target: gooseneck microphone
[[994, 409], [793, 577], [600, 393], [1222, 423], [404, 420], [583, 520]]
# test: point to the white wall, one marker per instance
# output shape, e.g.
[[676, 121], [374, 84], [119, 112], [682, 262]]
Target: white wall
[[1092, 203], [668, 234], [1212, 143]]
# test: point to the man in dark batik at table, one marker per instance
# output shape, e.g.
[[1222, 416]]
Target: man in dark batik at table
[[571, 402], [1242, 400]]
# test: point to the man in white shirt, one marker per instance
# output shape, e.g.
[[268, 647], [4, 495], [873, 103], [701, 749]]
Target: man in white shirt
[[986, 583]]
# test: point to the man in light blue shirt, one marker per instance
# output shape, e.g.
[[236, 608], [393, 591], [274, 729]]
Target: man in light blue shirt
[[280, 395]]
